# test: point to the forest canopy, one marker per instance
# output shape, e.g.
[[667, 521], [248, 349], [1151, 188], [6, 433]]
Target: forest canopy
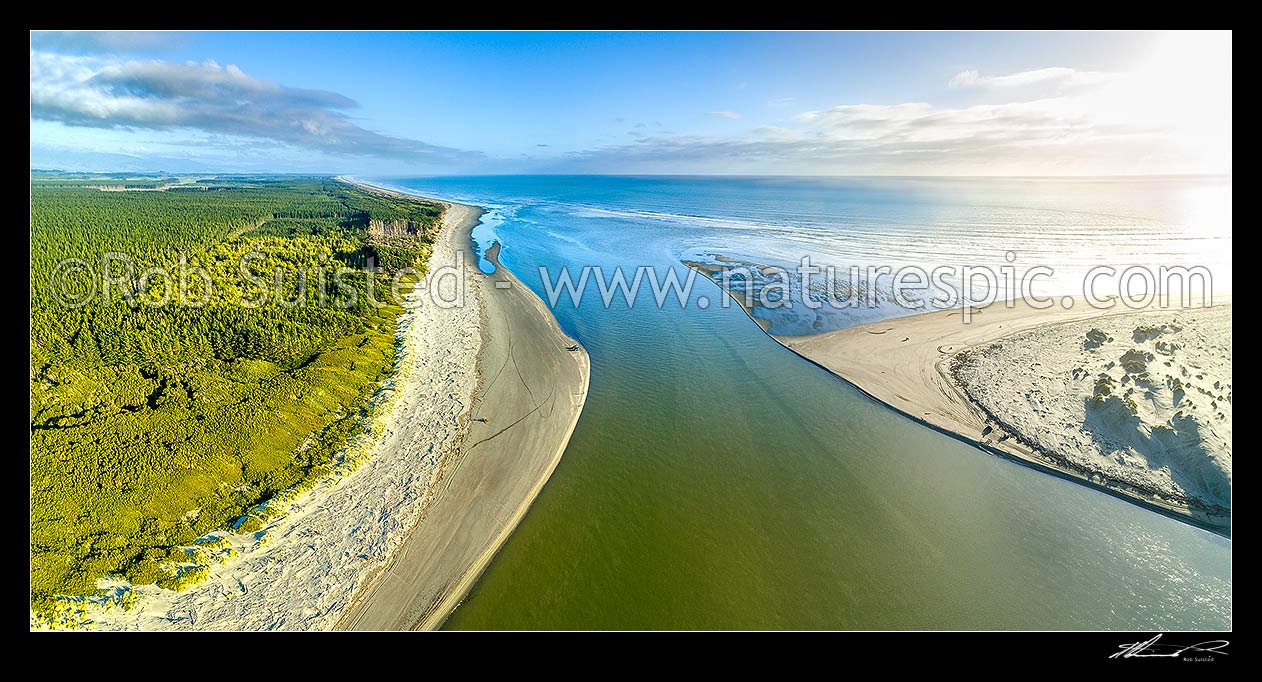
[[156, 420]]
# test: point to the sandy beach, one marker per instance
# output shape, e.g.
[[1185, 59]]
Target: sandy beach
[[1034, 386], [532, 382]]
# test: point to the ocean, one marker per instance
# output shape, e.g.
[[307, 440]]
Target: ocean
[[716, 480]]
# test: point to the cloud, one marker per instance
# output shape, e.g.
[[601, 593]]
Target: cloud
[[1057, 75], [1037, 122], [93, 92], [1048, 136], [725, 114], [1172, 115], [93, 42]]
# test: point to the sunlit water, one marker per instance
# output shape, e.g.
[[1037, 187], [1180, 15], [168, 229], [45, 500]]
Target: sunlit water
[[716, 480]]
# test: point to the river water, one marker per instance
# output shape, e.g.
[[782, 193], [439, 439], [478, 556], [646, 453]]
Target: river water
[[715, 480]]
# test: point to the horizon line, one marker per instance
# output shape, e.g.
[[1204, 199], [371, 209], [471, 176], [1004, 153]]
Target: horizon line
[[334, 174]]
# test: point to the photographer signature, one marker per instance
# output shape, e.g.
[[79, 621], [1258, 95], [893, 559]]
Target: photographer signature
[[1152, 649]]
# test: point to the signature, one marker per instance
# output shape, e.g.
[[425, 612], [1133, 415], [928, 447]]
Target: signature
[[1153, 649]]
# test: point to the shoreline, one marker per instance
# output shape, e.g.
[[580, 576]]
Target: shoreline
[[303, 568], [489, 484], [903, 364]]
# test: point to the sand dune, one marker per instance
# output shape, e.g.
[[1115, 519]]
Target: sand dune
[[1142, 399], [1021, 382]]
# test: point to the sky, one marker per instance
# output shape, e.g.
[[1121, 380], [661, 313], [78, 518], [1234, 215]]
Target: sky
[[761, 103]]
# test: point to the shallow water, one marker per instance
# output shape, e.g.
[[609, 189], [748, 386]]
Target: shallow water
[[716, 480]]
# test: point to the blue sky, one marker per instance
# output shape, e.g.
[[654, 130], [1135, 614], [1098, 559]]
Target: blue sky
[[985, 103]]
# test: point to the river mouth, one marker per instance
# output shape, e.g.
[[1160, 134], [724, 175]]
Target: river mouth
[[716, 480]]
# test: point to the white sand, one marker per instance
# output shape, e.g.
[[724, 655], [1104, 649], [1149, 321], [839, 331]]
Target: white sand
[[1021, 397], [1162, 421], [534, 384], [339, 534]]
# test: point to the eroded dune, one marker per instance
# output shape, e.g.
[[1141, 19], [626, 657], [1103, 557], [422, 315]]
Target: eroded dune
[[1143, 398]]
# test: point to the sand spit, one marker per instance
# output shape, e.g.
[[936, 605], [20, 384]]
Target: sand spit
[[532, 384], [1021, 382]]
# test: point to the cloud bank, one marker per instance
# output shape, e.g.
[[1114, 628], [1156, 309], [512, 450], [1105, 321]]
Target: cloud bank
[[157, 95], [1046, 136]]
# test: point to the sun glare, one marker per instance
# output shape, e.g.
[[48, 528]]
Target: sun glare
[[1183, 87]]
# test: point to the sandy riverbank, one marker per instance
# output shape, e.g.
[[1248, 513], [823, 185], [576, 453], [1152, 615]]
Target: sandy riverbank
[[1029, 398], [531, 389]]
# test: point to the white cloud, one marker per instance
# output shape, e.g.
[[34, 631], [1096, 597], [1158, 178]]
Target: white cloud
[[725, 114], [1021, 123], [1055, 75], [1064, 135]]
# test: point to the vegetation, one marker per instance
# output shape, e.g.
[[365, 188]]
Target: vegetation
[[155, 422]]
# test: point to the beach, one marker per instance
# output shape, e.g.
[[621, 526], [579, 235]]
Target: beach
[[432, 476], [1030, 399], [532, 382]]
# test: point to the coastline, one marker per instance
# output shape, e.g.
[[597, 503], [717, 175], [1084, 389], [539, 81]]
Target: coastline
[[530, 392], [904, 364], [301, 570]]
